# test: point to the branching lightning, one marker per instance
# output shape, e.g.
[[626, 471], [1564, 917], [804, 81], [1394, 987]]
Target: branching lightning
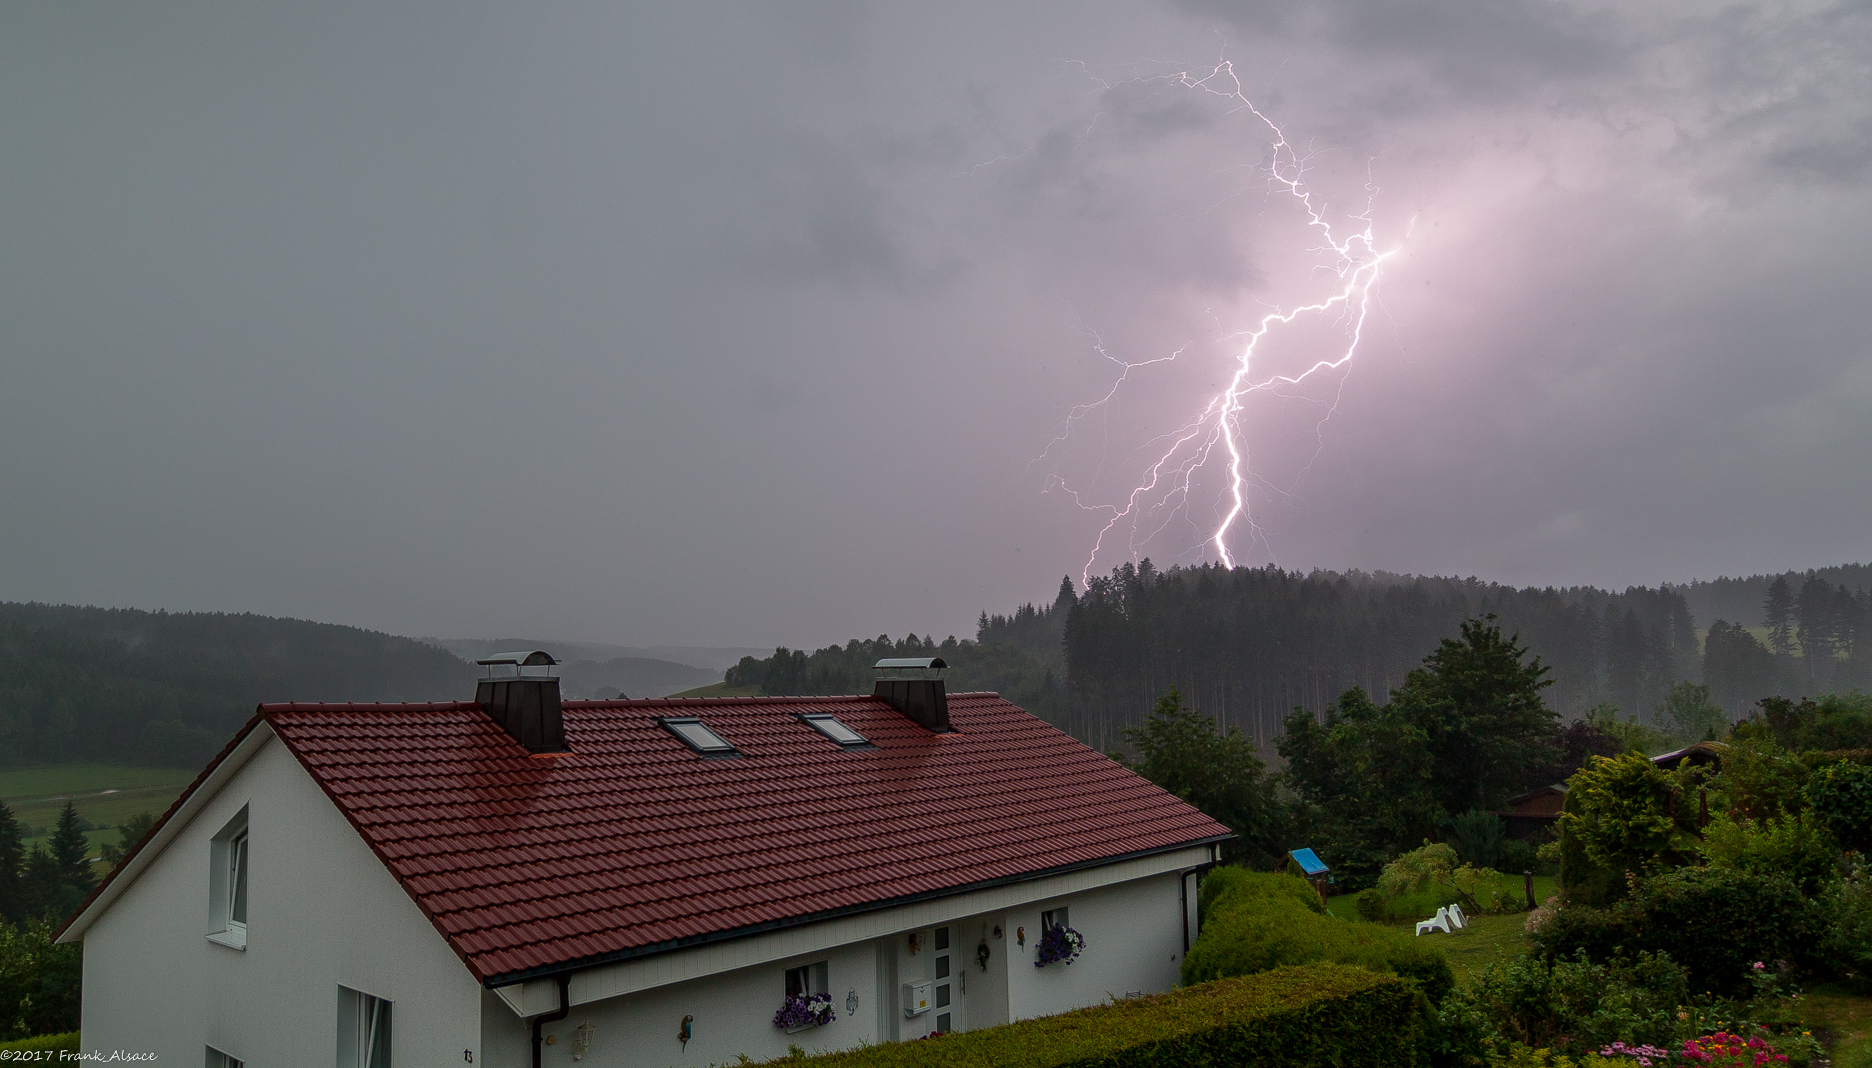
[[1349, 261]]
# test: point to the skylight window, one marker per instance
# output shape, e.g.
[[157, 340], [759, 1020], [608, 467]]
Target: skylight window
[[698, 737], [833, 729]]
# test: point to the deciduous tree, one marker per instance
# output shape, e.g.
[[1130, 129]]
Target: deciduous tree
[[1477, 700], [1180, 749]]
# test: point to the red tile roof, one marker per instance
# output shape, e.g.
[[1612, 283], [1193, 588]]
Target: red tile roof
[[632, 843]]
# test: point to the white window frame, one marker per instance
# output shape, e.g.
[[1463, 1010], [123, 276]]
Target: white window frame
[[806, 975], [836, 731], [1054, 917], [701, 739], [229, 883], [365, 1029], [218, 1059]]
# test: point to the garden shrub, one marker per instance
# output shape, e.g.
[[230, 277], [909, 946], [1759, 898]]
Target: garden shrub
[[1258, 925], [48, 1044], [1477, 837], [1760, 780], [1717, 922], [1293, 1017], [1847, 908], [1840, 796], [1372, 906], [1523, 1057], [1577, 929], [1518, 856], [1478, 890], [1232, 883], [39, 981], [1796, 846], [1620, 818], [1575, 1006]]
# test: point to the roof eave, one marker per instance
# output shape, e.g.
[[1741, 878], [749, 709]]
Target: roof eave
[[654, 949]]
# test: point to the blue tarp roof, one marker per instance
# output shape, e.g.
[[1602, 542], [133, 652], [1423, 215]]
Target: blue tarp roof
[[1309, 862]]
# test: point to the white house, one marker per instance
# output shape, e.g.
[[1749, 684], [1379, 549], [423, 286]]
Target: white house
[[515, 880]]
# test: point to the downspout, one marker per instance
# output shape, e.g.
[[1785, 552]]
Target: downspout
[[1183, 878], [1183, 907], [565, 1010]]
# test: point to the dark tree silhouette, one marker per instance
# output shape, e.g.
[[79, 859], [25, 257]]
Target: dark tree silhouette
[[1778, 617]]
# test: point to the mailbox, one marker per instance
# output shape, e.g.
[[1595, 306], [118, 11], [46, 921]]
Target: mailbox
[[916, 997]]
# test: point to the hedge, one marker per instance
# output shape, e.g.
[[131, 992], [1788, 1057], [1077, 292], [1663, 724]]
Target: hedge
[[1257, 922], [67, 1043], [1308, 1017], [1233, 883]]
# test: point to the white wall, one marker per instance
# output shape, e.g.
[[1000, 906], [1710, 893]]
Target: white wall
[[733, 1015], [1134, 942], [1134, 934], [322, 911]]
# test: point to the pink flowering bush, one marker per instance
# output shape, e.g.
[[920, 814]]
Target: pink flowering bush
[[1646, 1055], [1724, 1050]]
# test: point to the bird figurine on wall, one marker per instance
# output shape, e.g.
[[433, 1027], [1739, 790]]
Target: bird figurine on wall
[[684, 1033]]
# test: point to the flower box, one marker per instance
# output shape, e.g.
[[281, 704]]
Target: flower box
[[1059, 945], [802, 1011]]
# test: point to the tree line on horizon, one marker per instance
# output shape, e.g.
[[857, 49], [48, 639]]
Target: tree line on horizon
[[168, 689], [1249, 645]]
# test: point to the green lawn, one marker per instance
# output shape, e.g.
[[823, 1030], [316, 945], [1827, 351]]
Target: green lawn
[[1843, 1021], [1423, 904], [104, 794], [1486, 939]]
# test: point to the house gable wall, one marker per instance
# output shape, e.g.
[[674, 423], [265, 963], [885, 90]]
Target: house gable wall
[[322, 912], [1134, 943]]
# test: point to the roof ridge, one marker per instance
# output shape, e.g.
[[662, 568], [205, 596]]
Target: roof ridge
[[752, 699], [369, 706]]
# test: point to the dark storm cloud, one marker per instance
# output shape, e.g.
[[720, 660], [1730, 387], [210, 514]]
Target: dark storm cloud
[[743, 324]]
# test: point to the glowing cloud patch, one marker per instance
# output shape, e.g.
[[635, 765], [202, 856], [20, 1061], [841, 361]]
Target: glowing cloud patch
[[1350, 261]]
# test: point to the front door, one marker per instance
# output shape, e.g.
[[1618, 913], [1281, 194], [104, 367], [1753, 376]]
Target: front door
[[951, 980]]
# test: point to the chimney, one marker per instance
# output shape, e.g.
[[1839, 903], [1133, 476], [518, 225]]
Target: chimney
[[521, 693], [914, 686]]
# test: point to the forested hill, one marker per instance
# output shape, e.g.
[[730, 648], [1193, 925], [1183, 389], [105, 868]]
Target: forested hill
[[1741, 600], [1249, 645], [126, 686]]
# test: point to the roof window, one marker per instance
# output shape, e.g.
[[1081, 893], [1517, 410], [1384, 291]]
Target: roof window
[[698, 737], [829, 726]]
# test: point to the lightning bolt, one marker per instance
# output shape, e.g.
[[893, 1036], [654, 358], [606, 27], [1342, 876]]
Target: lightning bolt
[[1350, 261]]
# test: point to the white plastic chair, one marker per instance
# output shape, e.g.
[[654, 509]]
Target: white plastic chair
[[1457, 920], [1439, 922]]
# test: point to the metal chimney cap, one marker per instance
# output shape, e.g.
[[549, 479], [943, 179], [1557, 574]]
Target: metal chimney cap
[[525, 663], [911, 667]]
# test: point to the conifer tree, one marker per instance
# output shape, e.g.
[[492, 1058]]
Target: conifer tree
[[43, 892], [1778, 617], [12, 852], [72, 850]]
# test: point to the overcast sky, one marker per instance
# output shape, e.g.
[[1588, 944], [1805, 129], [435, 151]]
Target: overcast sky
[[757, 324]]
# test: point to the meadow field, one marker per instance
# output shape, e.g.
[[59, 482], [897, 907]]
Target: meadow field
[[105, 795]]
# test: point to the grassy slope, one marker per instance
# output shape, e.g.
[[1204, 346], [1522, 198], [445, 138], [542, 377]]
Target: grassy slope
[[104, 794]]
